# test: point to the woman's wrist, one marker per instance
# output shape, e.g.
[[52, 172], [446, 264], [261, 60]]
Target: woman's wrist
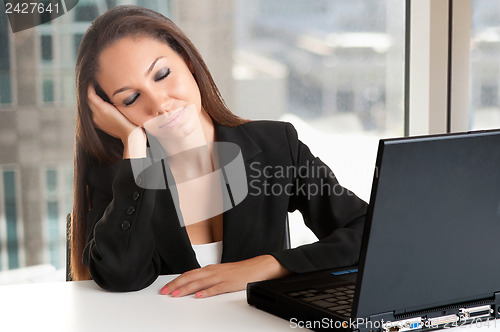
[[273, 268], [135, 144]]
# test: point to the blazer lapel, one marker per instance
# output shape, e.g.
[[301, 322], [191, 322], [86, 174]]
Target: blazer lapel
[[233, 227], [239, 136]]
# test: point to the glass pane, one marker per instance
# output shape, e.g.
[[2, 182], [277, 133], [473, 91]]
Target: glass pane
[[334, 69], [85, 12], [46, 44], [77, 39], [5, 90], [51, 180], [4, 41], [9, 183], [485, 65], [48, 90], [46, 16], [5, 87], [53, 231]]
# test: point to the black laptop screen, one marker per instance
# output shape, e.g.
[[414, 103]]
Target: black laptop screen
[[435, 227]]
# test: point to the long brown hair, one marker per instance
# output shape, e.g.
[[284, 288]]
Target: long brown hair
[[93, 146]]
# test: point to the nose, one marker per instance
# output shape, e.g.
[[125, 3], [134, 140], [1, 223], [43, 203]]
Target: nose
[[160, 102]]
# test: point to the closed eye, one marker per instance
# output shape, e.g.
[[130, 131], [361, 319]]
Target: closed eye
[[130, 100], [161, 74]]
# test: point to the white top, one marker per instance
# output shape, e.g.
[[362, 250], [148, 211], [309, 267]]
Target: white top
[[209, 253]]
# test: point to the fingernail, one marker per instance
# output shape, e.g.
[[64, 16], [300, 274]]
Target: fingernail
[[175, 292], [199, 294], [164, 290]]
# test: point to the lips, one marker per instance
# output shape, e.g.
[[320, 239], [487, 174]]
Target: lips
[[173, 116]]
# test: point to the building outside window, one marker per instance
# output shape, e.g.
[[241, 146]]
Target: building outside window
[[5, 63], [37, 135], [11, 224], [485, 65], [58, 204], [334, 69]]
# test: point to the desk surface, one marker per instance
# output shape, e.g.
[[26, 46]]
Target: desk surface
[[83, 306]]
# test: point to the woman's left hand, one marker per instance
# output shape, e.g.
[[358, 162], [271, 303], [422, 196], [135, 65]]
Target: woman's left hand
[[226, 277]]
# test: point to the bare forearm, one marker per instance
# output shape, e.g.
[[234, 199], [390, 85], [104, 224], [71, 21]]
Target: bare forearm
[[134, 145], [227, 277]]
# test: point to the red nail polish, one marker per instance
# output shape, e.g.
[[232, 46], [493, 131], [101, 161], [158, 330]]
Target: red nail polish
[[164, 290], [175, 292], [199, 294]]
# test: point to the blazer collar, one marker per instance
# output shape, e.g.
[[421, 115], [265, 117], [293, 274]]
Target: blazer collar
[[239, 136]]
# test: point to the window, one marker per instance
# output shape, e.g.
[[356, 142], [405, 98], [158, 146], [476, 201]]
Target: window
[[48, 90], [341, 67], [40, 132], [5, 75], [489, 95], [59, 42], [77, 39], [335, 69], [85, 12], [58, 203], [345, 101], [484, 64], [46, 44], [11, 229]]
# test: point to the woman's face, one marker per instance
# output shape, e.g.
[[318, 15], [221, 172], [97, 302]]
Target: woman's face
[[151, 85]]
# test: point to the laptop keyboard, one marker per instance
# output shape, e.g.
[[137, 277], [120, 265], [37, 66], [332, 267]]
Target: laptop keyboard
[[338, 300]]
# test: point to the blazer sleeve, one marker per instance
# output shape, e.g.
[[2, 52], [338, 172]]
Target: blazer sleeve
[[333, 213], [121, 248]]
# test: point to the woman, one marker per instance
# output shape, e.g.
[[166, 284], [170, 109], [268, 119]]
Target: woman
[[138, 74]]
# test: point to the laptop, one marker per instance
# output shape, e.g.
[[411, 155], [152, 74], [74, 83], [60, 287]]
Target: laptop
[[429, 253]]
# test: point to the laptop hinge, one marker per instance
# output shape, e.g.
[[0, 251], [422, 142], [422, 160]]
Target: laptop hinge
[[374, 322]]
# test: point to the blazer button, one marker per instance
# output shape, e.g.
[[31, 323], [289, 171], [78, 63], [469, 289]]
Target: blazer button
[[125, 225], [135, 195], [130, 210]]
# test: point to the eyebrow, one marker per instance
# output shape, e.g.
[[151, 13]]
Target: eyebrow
[[146, 74]]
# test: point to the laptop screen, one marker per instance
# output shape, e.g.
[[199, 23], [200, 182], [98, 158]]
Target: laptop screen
[[435, 224]]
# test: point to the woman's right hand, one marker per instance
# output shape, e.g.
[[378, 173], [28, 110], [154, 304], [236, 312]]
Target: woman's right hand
[[110, 120]]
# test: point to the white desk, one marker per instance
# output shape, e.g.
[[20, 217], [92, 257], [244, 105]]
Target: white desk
[[83, 306]]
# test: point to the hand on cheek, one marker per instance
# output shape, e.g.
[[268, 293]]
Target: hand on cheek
[[224, 278]]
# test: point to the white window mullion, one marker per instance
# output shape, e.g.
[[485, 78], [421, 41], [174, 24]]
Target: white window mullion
[[428, 67], [44, 220], [461, 38]]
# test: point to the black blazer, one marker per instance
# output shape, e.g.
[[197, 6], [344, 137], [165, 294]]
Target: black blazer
[[134, 234]]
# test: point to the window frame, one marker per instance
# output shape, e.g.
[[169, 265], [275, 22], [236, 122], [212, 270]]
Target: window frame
[[437, 82]]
